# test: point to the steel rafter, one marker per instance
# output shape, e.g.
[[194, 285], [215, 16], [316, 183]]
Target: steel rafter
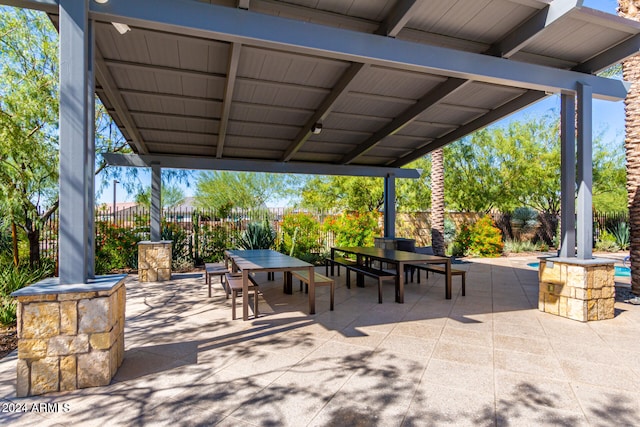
[[429, 100], [232, 71], [520, 36], [510, 107]]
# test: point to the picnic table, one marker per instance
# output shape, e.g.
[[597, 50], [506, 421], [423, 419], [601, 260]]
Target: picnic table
[[267, 260], [399, 259]]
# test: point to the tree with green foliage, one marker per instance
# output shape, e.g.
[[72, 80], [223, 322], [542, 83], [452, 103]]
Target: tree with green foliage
[[29, 123], [519, 165], [366, 194], [221, 190], [170, 196]]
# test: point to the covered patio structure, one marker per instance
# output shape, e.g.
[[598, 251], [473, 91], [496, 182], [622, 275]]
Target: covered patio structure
[[356, 88]]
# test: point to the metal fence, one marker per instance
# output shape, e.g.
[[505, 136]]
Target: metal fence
[[236, 221]]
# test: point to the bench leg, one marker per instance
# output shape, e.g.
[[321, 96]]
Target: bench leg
[[348, 274], [380, 291], [209, 288], [255, 302], [463, 285], [233, 304], [332, 292]]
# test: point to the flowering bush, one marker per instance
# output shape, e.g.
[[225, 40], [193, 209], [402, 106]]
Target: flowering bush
[[116, 248], [482, 239], [300, 235], [353, 229]]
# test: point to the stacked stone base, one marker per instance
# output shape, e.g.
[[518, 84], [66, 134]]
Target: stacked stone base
[[69, 336], [154, 261], [578, 290]]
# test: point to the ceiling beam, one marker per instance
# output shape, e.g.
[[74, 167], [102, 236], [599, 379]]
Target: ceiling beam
[[208, 75], [261, 30], [523, 34], [232, 72], [110, 89], [166, 96], [398, 17], [510, 107], [128, 65], [336, 94], [212, 163], [429, 100], [611, 56]]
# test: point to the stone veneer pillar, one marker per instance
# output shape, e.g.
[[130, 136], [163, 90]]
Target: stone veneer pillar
[[154, 261], [577, 289], [69, 336]]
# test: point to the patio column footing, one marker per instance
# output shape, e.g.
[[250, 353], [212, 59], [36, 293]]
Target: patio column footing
[[577, 289], [69, 336]]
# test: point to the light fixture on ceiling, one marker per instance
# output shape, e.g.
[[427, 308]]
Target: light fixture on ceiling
[[316, 129], [102, 1], [122, 28]]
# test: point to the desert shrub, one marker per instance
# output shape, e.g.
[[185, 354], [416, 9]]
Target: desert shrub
[[517, 246], [181, 258], [607, 242], [353, 229], [622, 234], [300, 235], [13, 278], [258, 235], [116, 248], [482, 239], [213, 241]]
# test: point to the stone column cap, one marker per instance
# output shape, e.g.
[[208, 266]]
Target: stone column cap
[[578, 261], [149, 242], [51, 285]]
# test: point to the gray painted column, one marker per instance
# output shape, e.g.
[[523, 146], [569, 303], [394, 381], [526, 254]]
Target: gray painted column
[[389, 206], [567, 176], [156, 202], [73, 245], [585, 173], [91, 155]]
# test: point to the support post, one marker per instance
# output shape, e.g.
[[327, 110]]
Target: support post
[[74, 216], [585, 173], [389, 206], [567, 176], [156, 202], [91, 155]]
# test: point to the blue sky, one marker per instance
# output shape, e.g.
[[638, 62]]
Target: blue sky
[[608, 118]]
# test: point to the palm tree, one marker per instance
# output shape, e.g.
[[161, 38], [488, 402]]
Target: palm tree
[[631, 73], [437, 201]]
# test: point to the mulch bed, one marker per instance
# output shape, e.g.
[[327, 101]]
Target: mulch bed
[[8, 340]]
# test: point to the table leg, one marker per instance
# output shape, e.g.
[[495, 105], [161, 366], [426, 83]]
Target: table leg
[[448, 279], [245, 294], [400, 283], [288, 283], [312, 291], [333, 256], [359, 276]]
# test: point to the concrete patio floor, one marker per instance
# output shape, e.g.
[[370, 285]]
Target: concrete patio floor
[[489, 358]]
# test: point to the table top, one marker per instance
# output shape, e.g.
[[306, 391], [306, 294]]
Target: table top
[[265, 259], [392, 255]]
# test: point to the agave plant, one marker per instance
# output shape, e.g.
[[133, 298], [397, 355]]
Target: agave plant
[[257, 236], [622, 234]]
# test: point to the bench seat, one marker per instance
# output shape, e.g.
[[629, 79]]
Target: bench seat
[[337, 261], [440, 270], [381, 275], [318, 280], [234, 283], [215, 269]]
